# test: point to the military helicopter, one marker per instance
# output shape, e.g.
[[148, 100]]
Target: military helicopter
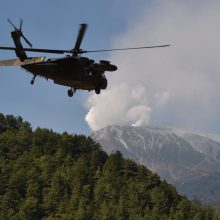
[[74, 71]]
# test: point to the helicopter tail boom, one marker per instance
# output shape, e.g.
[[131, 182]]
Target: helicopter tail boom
[[18, 62]]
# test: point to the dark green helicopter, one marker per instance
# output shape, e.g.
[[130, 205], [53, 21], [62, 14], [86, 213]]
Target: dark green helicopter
[[74, 71]]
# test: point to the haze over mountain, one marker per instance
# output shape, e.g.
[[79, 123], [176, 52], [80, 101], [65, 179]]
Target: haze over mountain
[[177, 85], [190, 161]]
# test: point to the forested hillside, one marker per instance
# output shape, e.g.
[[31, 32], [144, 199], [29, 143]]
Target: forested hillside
[[46, 175]]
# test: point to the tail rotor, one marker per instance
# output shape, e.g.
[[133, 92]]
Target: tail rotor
[[19, 31]]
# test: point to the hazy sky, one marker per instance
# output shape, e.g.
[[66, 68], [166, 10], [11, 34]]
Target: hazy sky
[[175, 86], [54, 24]]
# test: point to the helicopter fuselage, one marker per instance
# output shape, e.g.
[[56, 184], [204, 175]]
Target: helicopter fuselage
[[73, 71]]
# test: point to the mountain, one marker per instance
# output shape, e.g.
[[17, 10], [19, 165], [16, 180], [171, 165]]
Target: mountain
[[190, 161]]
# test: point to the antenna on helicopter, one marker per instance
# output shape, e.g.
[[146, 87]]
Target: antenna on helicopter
[[19, 31]]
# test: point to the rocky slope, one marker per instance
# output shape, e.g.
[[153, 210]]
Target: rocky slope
[[190, 161]]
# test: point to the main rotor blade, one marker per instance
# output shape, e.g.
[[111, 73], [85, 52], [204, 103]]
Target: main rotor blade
[[81, 51], [80, 38], [39, 50], [129, 48]]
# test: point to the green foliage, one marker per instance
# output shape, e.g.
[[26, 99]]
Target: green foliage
[[45, 175]]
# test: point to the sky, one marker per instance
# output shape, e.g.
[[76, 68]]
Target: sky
[[175, 86]]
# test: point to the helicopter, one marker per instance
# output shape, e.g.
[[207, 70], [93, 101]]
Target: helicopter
[[73, 70]]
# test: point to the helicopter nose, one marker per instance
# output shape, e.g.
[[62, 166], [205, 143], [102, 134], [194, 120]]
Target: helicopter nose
[[111, 68], [114, 68], [104, 67]]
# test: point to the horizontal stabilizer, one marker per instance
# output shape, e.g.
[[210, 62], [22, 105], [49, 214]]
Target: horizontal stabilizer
[[17, 62]]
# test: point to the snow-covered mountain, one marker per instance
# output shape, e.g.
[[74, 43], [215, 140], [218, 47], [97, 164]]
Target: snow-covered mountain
[[181, 157]]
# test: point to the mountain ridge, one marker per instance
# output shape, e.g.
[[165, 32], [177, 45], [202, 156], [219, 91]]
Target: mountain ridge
[[176, 155]]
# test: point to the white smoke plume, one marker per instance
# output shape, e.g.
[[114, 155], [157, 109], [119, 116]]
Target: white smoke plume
[[177, 85], [119, 105]]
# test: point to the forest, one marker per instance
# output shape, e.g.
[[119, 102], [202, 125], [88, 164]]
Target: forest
[[47, 175]]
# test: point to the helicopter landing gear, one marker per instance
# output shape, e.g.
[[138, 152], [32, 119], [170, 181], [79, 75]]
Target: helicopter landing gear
[[97, 91], [32, 81], [71, 92]]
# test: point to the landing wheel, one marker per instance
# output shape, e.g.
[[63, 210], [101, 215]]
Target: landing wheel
[[70, 93], [97, 91]]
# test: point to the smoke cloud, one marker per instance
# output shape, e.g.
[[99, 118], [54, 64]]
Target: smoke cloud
[[177, 85]]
